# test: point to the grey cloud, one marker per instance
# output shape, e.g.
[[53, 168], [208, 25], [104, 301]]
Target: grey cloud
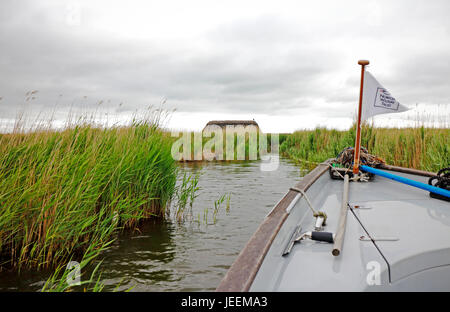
[[264, 64]]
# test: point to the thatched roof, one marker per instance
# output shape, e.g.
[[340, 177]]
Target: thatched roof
[[223, 123]]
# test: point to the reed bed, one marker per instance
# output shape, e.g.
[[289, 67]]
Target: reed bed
[[64, 192], [251, 149], [419, 147]]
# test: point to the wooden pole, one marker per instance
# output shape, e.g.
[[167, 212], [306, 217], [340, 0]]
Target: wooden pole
[[340, 232], [363, 63]]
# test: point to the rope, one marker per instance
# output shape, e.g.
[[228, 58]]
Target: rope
[[442, 179], [306, 197], [315, 212], [346, 157], [345, 160], [361, 176]]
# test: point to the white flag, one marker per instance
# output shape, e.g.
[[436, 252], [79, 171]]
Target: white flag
[[377, 100]]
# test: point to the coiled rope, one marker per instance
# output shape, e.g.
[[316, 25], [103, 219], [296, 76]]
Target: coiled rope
[[344, 163]]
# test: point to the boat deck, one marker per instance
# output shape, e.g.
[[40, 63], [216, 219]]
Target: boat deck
[[410, 250]]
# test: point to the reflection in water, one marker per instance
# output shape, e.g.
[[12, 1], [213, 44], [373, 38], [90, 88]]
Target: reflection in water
[[137, 258], [191, 256]]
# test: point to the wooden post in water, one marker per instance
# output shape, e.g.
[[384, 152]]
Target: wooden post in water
[[340, 232], [363, 63]]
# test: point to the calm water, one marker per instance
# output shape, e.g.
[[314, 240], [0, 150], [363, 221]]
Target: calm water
[[189, 256]]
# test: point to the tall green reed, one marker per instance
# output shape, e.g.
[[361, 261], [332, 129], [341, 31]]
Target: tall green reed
[[62, 192], [419, 147]]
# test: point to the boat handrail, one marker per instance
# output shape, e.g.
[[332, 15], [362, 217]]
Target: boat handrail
[[242, 272]]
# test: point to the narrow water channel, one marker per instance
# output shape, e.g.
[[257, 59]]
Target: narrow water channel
[[193, 255]]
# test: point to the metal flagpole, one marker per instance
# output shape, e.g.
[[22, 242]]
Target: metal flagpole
[[363, 63]]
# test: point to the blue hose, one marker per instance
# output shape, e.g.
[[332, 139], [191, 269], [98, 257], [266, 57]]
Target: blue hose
[[423, 186]]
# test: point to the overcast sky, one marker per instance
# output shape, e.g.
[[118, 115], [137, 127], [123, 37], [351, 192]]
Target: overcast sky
[[288, 64]]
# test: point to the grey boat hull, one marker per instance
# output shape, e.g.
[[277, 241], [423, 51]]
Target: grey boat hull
[[397, 240]]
